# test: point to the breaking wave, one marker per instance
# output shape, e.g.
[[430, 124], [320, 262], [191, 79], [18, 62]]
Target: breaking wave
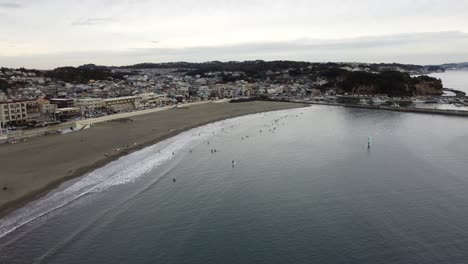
[[124, 170]]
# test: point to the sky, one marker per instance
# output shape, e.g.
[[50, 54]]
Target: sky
[[45, 34]]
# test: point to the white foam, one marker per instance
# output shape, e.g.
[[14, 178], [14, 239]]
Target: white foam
[[124, 170]]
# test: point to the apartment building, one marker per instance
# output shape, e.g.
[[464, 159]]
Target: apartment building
[[13, 112], [122, 104], [89, 104]]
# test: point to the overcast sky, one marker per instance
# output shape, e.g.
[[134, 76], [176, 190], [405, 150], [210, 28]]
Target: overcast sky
[[49, 33]]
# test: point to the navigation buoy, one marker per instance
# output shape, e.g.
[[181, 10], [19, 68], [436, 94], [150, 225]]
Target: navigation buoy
[[369, 142]]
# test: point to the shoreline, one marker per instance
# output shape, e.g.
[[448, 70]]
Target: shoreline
[[23, 177]]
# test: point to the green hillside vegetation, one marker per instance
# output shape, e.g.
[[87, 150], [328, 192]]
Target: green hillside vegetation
[[83, 74], [393, 83]]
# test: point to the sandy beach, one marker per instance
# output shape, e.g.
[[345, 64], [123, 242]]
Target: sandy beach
[[30, 169]]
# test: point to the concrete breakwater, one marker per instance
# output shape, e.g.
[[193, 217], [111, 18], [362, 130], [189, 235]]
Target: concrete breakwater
[[395, 109]]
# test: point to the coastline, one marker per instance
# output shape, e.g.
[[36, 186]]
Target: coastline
[[32, 169]]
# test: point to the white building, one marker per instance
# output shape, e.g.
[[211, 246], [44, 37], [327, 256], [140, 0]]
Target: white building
[[89, 104], [13, 112], [154, 99], [122, 104]]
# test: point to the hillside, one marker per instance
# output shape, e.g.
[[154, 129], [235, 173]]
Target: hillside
[[392, 83]]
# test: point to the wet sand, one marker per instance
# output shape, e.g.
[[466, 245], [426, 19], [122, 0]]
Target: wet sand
[[30, 169]]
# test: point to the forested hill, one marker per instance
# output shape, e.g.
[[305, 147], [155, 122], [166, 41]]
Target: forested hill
[[392, 83], [83, 74], [260, 65]]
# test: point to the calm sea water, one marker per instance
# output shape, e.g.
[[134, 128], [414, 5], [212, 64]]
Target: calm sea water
[[454, 79], [304, 190]]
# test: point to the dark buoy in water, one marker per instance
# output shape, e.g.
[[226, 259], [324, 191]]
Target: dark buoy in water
[[190, 150], [233, 163], [173, 153], [5, 188], [173, 180]]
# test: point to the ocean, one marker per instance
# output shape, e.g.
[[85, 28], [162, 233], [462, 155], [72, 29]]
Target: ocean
[[293, 186], [457, 80]]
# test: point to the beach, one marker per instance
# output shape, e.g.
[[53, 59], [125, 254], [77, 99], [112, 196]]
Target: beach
[[30, 169], [304, 183]]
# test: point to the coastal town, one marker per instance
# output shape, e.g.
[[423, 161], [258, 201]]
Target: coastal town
[[32, 99], [175, 132]]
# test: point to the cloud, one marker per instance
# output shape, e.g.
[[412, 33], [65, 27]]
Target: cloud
[[91, 21], [378, 45], [414, 48], [10, 5]]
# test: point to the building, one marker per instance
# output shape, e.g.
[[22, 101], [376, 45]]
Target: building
[[153, 99], [344, 99], [63, 102], [64, 114], [13, 112], [122, 104], [46, 107], [89, 104], [33, 111], [3, 96]]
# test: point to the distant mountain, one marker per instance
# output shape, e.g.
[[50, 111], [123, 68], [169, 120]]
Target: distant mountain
[[455, 66], [256, 66]]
